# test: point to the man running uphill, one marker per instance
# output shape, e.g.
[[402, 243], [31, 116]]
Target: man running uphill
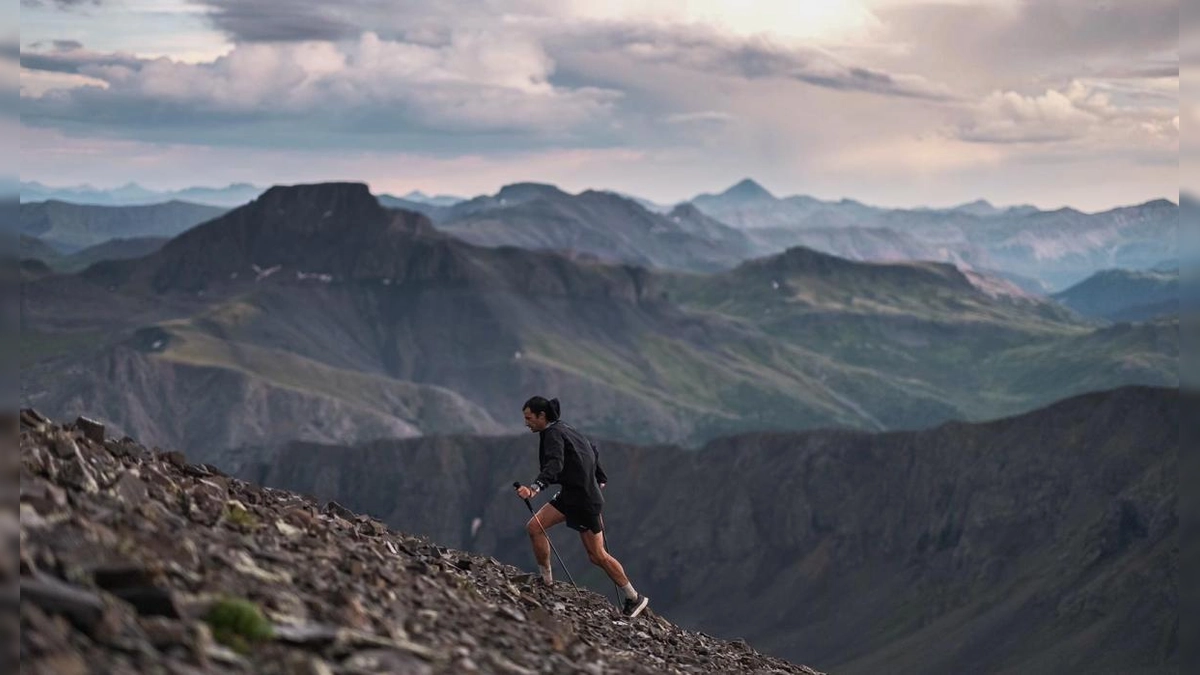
[[570, 460]]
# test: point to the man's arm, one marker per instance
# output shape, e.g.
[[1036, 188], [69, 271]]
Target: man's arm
[[601, 477], [553, 464]]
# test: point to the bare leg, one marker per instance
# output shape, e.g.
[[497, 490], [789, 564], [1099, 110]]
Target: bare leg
[[594, 543], [548, 516]]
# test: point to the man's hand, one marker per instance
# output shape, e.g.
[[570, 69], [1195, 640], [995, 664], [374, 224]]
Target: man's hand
[[525, 492]]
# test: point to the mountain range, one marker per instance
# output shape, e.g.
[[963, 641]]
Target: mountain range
[[1057, 248], [68, 227], [132, 194], [316, 313], [605, 225], [1041, 251], [1044, 542], [863, 463]]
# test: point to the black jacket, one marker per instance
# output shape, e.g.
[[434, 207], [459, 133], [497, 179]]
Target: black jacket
[[572, 461]]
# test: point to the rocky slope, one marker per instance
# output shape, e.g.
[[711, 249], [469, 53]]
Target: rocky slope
[[1045, 542], [135, 561]]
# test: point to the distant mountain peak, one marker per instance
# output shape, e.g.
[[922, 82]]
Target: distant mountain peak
[[686, 210], [420, 197], [978, 207], [978, 203], [747, 190], [1160, 203]]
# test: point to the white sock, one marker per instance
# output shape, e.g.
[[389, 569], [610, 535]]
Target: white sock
[[547, 574], [629, 592]]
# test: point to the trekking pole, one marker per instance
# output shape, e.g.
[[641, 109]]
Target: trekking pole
[[517, 484]]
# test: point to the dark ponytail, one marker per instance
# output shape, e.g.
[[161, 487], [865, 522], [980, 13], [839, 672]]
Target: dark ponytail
[[539, 405]]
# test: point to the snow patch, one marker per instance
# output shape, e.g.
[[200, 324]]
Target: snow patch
[[261, 273]]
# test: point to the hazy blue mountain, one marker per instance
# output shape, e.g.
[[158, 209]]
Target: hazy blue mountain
[[70, 227], [1124, 295], [129, 194], [436, 200], [1056, 248]]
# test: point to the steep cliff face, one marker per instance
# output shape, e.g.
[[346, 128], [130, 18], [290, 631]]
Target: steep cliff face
[[1044, 542], [135, 561]]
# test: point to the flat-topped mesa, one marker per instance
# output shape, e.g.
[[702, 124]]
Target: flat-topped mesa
[[338, 229]]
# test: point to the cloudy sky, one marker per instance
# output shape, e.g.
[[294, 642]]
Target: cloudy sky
[[892, 102]]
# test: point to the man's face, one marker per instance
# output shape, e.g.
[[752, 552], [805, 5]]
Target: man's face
[[535, 422]]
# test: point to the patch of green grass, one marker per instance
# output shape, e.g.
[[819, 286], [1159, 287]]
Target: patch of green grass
[[240, 517], [282, 369], [238, 624]]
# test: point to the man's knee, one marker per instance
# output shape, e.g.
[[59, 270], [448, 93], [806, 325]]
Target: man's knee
[[532, 528], [596, 553]]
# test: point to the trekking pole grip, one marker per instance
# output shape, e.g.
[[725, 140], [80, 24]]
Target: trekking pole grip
[[516, 485]]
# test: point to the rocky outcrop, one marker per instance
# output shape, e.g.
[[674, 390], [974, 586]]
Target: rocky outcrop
[[135, 561]]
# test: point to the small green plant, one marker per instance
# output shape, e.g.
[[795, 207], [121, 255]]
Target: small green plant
[[240, 517], [238, 624]]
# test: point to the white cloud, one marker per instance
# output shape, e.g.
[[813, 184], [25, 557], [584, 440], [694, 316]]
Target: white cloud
[[703, 116], [1077, 111], [790, 22], [475, 82], [1011, 117]]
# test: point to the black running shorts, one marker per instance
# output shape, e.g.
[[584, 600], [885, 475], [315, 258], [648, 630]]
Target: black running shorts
[[578, 518]]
